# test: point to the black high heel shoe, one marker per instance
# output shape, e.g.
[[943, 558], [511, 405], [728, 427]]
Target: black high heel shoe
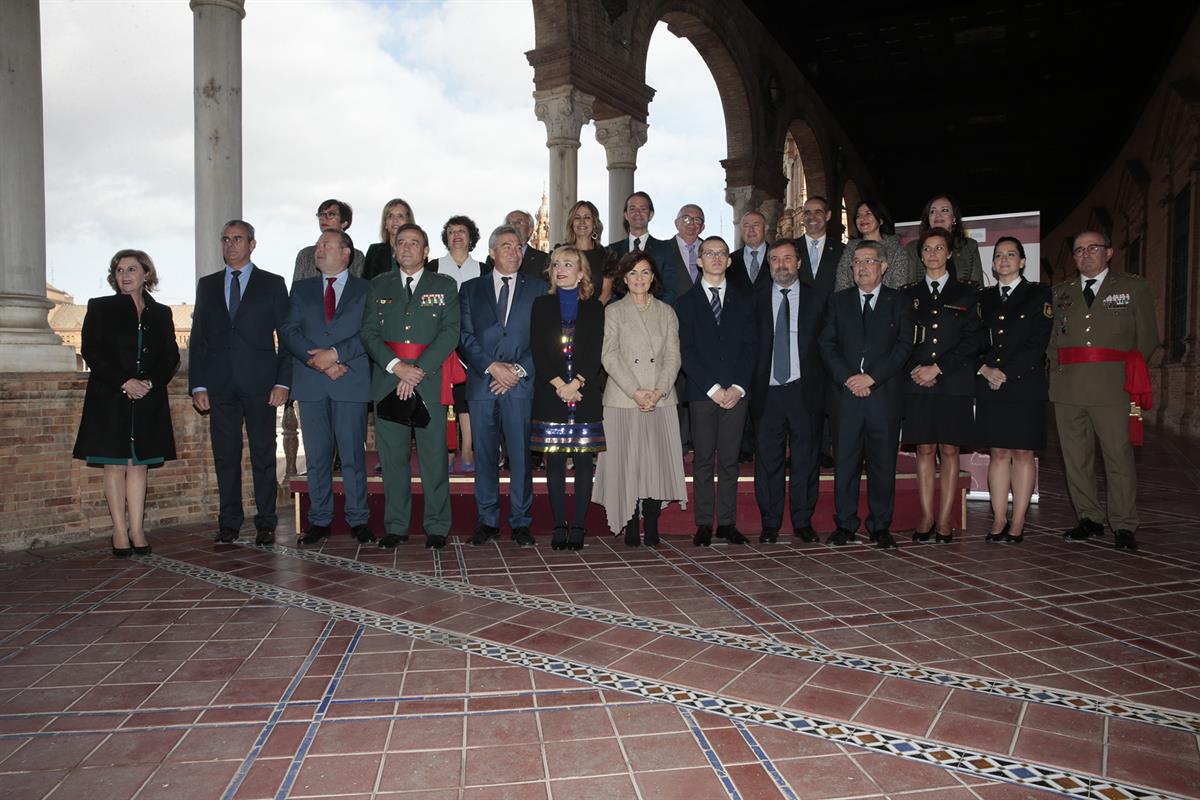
[[144, 550], [946, 539], [1008, 537], [923, 536], [1001, 536], [575, 540], [121, 552], [558, 541]]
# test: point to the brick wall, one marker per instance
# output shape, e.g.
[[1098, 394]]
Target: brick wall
[[50, 498]]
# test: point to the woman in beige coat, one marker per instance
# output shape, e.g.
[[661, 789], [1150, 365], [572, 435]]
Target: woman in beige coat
[[643, 465]]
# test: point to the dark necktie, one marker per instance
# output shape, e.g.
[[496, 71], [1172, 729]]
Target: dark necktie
[[934, 291], [867, 307], [637, 245], [715, 304], [502, 303], [1088, 293], [408, 288], [235, 293], [1004, 290], [782, 349], [330, 300], [754, 271]]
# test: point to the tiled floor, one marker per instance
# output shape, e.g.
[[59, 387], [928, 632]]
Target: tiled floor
[[971, 671]]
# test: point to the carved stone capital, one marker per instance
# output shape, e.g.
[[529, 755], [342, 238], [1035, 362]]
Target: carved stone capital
[[621, 137], [564, 110], [743, 199], [237, 6]]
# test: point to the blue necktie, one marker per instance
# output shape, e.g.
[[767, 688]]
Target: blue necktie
[[782, 348], [814, 257], [235, 293]]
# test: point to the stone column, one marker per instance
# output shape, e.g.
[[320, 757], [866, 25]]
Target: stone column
[[622, 137], [217, 71], [743, 199], [27, 344], [564, 110], [772, 209]]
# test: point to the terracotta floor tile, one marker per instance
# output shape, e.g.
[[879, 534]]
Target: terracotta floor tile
[[189, 781], [511, 764], [341, 774], [111, 783], [963, 731], [453, 681], [584, 723], [216, 743], [1127, 733], [911, 692], [899, 775], [427, 770], [509, 791], [612, 787], [730, 746], [134, 747], [654, 718], [585, 757], [52, 752], [1063, 751], [350, 736], [502, 729], [826, 777], [1177, 776], [846, 680], [663, 751], [681, 784], [500, 679], [826, 703], [898, 717], [976, 704], [1064, 721]]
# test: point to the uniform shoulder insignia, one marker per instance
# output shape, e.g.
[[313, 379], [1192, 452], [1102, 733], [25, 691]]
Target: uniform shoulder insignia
[[1132, 277], [1048, 310], [909, 285]]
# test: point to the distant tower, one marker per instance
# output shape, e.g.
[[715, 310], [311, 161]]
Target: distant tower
[[541, 225]]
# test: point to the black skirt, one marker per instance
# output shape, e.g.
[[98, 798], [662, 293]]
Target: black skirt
[[938, 419], [1008, 422]]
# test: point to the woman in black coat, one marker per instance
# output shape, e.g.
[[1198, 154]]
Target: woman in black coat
[[1010, 390], [940, 390], [129, 346], [378, 260], [567, 336]]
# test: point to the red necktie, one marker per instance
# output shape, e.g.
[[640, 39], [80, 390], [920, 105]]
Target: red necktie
[[330, 300]]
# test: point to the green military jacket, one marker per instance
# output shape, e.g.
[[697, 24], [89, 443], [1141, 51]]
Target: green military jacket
[[431, 318], [1121, 318]]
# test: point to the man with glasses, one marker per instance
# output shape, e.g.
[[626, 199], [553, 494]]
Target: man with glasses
[[749, 269], [689, 224], [1104, 332], [717, 354], [332, 215], [865, 343], [238, 376]]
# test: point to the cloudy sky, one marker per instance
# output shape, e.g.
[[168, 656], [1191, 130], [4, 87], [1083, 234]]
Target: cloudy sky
[[430, 101]]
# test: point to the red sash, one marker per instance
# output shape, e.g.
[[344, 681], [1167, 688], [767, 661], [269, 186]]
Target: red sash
[[452, 373], [1137, 379]]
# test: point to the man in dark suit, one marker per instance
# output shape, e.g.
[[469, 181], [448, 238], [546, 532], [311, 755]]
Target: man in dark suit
[[787, 396], [494, 342], [331, 383], [534, 262], [817, 242], [716, 347], [639, 210], [237, 375], [865, 343], [749, 270], [689, 224]]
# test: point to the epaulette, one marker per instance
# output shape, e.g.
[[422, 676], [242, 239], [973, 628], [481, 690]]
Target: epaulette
[[911, 285]]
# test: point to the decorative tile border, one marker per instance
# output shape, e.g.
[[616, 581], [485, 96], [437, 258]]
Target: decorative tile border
[[710, 754], [1138, 712], [999, 768]]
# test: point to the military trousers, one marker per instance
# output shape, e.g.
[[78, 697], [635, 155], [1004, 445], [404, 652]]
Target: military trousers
[[1079, 428]]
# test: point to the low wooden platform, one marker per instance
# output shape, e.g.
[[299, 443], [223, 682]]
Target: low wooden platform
[[674, 521]]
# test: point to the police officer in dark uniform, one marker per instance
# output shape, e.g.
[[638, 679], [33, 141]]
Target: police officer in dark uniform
[[939, 393], [1010, 387]]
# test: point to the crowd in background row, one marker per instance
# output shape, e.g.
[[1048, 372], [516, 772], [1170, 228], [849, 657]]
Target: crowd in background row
[[623, 357]]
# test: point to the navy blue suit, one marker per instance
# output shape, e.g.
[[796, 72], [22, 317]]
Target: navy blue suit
[[236, 362], [670, 265], [869, 425], [484, 340], [331, 411], [721, 355]]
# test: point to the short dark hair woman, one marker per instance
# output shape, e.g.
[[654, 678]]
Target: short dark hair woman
[[872, 224], [129, 346]]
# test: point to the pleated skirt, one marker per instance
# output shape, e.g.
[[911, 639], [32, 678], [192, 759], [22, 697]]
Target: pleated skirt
[[644, 459]]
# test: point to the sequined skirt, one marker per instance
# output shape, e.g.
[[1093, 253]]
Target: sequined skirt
[[566, 437]]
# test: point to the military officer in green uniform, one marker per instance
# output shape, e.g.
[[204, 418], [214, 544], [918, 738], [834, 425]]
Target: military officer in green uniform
[[1104, 331], [410, 327]]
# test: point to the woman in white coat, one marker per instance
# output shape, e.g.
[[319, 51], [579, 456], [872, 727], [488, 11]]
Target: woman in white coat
[[643, 466]]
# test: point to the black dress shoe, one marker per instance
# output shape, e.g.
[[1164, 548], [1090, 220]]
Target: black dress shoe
[[226, 536], [884, 540], [745, 458], [1125, 541], [944, 538], [393, 539], [768, 536], [1020, 537], [731, 534], [1084, 530], [840, 537], [703, 537], [575, 538], [265, 537], [827, 461], [805, 534], [363, 534], [523, 538], [122, 552], [1001, 536], [315, 534], [558, 539], [923, 536], [145, 550], [483, 534], [434, 542]]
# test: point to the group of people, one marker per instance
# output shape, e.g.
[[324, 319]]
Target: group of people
[[619, 359]]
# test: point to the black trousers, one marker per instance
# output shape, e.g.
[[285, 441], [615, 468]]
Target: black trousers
[[865, 429], [788, 441], [716, 437], [228, 412]]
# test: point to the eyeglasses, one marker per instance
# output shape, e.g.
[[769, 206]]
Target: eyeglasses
[[864, 262], [332, 213], [1090, 249], [714, 254], [688, 219]]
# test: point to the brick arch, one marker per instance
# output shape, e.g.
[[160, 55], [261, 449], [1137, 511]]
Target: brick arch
[[812, 156]]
